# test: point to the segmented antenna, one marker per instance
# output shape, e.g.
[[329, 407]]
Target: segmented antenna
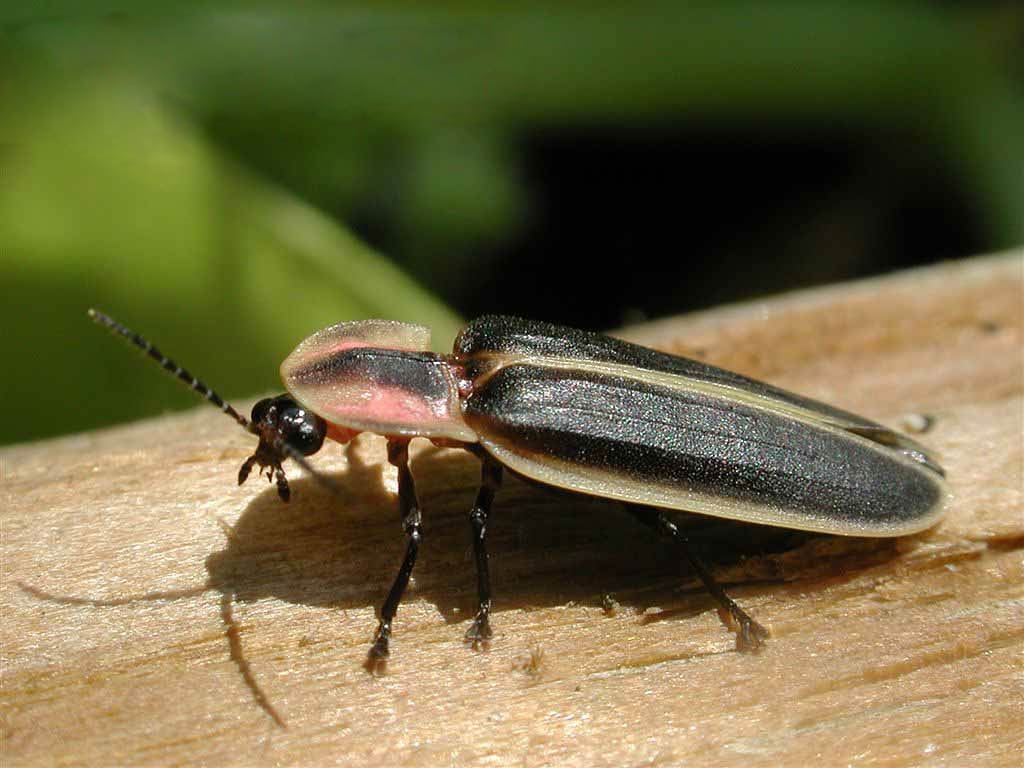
[[166, 363], [196, 385]]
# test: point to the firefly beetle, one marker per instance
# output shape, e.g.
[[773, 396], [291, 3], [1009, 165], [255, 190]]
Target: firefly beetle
[[588, 413]]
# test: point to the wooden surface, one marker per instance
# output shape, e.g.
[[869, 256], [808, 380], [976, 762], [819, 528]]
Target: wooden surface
[[122, 548]]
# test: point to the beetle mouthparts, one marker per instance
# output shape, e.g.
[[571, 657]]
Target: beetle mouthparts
[[269, 457]]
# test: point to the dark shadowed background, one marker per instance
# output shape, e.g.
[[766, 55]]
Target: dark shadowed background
[[228, 178]]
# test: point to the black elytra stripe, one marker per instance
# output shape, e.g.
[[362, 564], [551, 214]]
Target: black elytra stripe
[[691, 442], [166, 363], [501, 335], [515, 336]]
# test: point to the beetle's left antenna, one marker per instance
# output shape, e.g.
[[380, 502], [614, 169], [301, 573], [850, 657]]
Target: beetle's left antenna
[[196, 385], [167, 364]]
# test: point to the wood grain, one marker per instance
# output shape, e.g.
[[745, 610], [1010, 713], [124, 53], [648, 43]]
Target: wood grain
[[124, 551]]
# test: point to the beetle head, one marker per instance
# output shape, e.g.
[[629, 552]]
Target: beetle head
[[286, 430]]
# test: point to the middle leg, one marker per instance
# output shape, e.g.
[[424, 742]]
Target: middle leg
[[490, 480]]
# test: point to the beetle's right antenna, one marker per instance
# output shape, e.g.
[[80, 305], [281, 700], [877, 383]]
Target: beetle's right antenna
[[167, 364]]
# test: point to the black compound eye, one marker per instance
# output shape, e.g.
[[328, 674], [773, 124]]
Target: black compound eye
[[260, 410], [303, 430]]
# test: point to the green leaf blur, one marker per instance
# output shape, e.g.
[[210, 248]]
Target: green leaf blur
[[188, 167]]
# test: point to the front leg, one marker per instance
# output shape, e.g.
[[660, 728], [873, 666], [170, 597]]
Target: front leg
[[409, 508], [490, 480]]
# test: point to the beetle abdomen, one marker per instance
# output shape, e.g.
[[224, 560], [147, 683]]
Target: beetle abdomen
[[689, 448]]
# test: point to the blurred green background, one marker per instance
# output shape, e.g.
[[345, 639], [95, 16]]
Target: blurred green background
[[227, 178]]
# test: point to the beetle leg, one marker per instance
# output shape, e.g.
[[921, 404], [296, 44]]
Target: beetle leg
[[408, 506], [282, 483], [490, 480], [246, 468], [749, 634]]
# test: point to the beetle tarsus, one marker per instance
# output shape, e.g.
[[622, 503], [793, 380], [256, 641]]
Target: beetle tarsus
[[381, 648], [479, 631], [282, 484], [750, 635], [377, 657]]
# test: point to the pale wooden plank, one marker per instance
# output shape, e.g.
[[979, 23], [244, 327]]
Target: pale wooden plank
[[884, 653]]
